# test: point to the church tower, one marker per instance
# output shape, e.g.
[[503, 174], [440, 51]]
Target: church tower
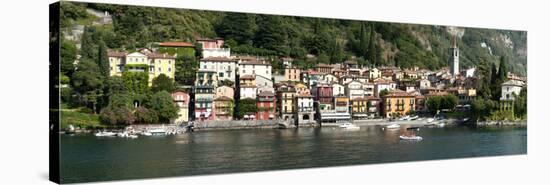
[[454, 56]]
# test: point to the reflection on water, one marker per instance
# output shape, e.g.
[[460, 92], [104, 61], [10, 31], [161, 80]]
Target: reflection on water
[[88, 158]]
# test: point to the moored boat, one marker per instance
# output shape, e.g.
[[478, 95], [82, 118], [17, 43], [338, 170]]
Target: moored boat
[[403, 137], [393, 126], [105, 134], [349, 126]]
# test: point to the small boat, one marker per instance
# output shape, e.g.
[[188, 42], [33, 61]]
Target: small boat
[[404, 118], [393, 126], [158, 131], [429, 120], [403, 137], [132, 136], [146, 133], [442, 124], [349, 126], [105, 134], [122, 134]]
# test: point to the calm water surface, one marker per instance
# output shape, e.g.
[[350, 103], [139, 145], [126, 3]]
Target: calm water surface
[[88, 158]]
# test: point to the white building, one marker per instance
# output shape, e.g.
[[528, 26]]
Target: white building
[[248, 92], [381, 85], [261, 69], [354, 89], [213, 48], [338, 89], [368, 89], [509, 88], [374, 73], [225, 67]]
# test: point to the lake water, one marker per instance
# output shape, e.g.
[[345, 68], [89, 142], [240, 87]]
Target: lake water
[[87, 158]]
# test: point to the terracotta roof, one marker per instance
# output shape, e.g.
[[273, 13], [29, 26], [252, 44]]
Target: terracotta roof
[[250, 77], [208, 39], [255, 62], [218, 59], [158, 55], [398, 93], [177, 44], [324, 65], [116, 54], [266, 93], [223, 98]]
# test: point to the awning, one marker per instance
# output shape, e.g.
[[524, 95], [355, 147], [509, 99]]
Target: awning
[[271, 116], [252, 116], [246, 116]]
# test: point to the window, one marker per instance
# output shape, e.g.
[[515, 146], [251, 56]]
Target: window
[[160, 69], [221, 75], [169, 62], [169, 69]]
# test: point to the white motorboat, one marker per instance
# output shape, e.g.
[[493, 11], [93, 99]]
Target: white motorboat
[[349, 126], [429, 120], [146, 133], [393, 126], [132, 136], [413, 118], [404, 118], [105, 134], [122, 134], [442, 124], [403, 137], [158, 131]]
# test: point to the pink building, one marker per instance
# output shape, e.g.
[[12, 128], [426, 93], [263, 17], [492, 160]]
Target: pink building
[[210, 43], [182, 101]]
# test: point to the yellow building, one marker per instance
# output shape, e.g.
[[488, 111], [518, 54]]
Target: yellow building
[[143, 61], [359, 106], [292, 74], [286, 102], [398, 103]]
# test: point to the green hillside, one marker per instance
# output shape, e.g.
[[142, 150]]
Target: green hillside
[[331, 40]]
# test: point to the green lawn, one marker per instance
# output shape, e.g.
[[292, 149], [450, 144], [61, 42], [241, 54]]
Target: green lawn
[[78, 119]]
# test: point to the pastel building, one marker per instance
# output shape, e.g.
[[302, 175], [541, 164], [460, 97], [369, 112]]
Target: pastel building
[[224, 66], [248, 88], [266, 103], [260, 69], [398, 103], [323, 96], [223, 108], [182, 101], [146, 61], [205, 84], [292, 74], [286, 96], [213, 48]]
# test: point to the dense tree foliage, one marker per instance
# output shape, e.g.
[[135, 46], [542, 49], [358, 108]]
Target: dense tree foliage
[[246, 106], [186, 69], [162, 83], [437, 103], [163, 105]]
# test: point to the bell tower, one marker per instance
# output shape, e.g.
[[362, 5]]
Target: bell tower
[[454, 57]]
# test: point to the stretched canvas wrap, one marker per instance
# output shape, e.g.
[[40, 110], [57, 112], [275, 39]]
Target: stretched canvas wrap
[[148, 92]]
